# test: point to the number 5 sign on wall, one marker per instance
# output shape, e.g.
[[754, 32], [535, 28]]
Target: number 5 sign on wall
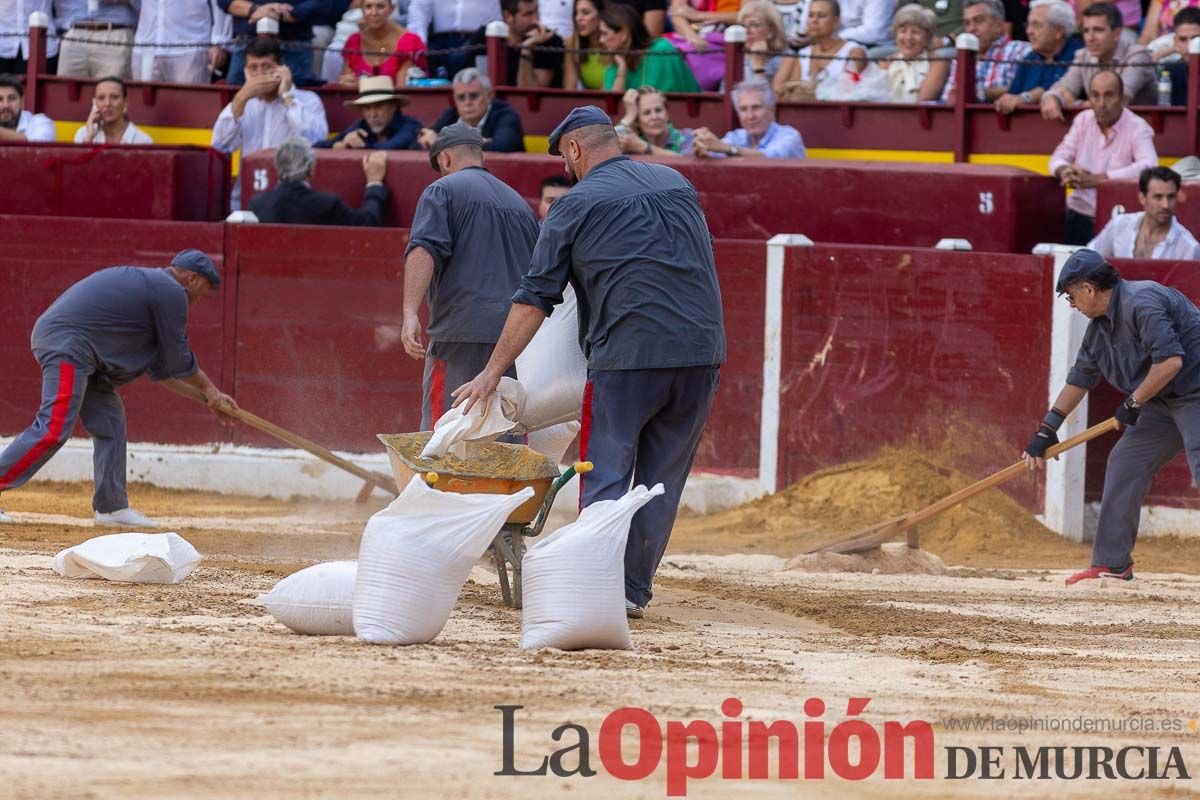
[[987, 204]]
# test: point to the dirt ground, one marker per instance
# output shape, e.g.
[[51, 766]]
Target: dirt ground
[[132, 691]]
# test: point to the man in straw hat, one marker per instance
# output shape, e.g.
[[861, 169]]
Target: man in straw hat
[[382, 126]]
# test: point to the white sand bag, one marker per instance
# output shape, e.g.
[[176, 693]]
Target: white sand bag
[[484, 423], [415, 557], [318, 601], [573, 581], [553, 442], [130, 558], [553, 370]]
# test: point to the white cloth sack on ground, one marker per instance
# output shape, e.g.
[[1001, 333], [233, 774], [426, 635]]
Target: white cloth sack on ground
[[318, 600], [553, 442], [553, 370], [573, 581], [499, 416], [415, 557], [130, 558]]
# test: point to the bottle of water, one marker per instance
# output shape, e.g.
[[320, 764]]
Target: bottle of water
[[1164, 88]]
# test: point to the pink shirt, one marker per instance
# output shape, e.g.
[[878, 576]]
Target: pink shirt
[[1123, 151]]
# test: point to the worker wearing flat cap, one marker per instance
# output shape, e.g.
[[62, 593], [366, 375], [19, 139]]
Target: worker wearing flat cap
[[471, 241], [631, 238], [1144, 339], [99, 335]]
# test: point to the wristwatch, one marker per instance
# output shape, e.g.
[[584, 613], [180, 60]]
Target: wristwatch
[[734, 150], [1132, 403], [1026, 97]]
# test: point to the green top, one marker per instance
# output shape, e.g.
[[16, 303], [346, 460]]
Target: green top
[[591, 71], [662, 67]]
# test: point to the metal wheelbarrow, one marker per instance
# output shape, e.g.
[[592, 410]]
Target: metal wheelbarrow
[[493, 468]]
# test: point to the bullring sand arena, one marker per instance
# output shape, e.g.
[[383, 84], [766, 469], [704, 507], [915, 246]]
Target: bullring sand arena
[[157, 691]]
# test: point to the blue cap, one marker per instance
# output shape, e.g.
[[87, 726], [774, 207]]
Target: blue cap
[[194, 261], [1081, 265], [578, 118]]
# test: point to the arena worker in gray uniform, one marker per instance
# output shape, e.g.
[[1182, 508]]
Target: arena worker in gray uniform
[[471, 241], [632, 239], [99, 335], [1144, 339]]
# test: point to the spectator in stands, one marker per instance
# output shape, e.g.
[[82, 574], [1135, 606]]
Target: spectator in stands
[[652, 12], [692, 18], [867, 22], [268, 108], [17, 124], [912, 76], [1051, 28], [654, 62], [295, 202], [1187, 27], [382, 126], [14, 36], [552, 188], [760, 135], [382, 47], [171, 21], [1102, 46], [1162, 18], [108, 122], [528, 64], [496, 121], [1153, 232], [828, 56], [447, 25], [999, 52], [96, 38], [558, 16], [585, 70], [295, 34], [1106, 141], [648, 130], [766, 42]]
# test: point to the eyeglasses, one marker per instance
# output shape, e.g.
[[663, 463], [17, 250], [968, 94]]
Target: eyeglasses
[[468, 96]]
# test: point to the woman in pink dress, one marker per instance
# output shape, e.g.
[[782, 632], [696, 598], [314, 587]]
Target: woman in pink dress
[[382, 47]]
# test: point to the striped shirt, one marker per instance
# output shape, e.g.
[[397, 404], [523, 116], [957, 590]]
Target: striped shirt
[[995, 69]]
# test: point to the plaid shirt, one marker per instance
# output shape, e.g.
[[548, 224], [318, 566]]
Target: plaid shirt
[[994, 69]]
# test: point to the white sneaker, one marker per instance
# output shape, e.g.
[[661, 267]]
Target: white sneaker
[[5, 518], [634, 611], [125, 518]]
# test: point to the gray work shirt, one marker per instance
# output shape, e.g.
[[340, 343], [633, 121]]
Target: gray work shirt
[[633, 241], [120, 322], [481, 234], [1146, 323]]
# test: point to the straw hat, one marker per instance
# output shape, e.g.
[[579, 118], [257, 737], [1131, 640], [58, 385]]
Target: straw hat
[[376, 89]]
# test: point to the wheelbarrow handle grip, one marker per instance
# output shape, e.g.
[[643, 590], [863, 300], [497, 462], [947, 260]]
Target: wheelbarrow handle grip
[[582, 467], [432, 477]]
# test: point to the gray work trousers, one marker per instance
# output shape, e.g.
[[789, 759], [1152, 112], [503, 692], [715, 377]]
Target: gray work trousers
[[67, 397], [1164, 428], [448, 365]]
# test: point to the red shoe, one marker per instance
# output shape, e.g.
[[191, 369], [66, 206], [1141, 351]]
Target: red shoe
[[1092, 573]]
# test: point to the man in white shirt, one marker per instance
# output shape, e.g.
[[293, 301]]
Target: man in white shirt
[[168, 21], [17, 124], [1153, 232], [14, 34], [447, 24], [868, 22], [267, 109]]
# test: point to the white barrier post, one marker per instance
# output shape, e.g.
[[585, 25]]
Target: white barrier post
[[768, 442], [1063, 511]]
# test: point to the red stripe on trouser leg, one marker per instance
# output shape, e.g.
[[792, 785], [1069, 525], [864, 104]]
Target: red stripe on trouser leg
[[54, 432], [437, 392], [585, 432]]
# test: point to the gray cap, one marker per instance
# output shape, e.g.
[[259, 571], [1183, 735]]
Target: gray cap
[[580, 117], [455, 135], [1081, 265], [194, 261]]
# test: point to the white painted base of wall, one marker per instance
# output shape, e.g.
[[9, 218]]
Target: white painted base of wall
[[264, 472], [1155, 521]]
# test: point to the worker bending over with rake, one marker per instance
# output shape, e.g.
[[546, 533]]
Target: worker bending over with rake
[[99, 335], [632, 239], [1144, 339]]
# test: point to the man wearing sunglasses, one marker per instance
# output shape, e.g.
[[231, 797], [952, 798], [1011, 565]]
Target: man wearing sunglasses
[[1144, 339], [496, 121]]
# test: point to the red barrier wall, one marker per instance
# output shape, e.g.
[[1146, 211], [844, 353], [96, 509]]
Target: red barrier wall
[[884, 345], [106, 182], [1110, 194], [999, 209]]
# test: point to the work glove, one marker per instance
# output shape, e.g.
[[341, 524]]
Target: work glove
[[1043, 440], [1128, 412]]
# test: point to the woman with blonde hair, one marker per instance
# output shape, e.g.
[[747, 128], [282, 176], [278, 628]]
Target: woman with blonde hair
[[766, 40], [584, 68], [647, 126], [912, 76], [382, 47]]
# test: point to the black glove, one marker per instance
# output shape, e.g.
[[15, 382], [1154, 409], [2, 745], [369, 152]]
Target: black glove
[[1128, 412], [1043, 440]]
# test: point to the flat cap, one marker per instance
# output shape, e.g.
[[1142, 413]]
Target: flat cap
[[194, 261], [580, 117], [1081, 265], [459, 133]]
